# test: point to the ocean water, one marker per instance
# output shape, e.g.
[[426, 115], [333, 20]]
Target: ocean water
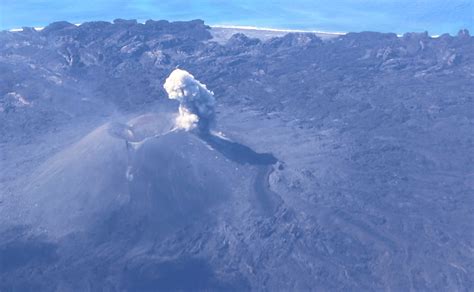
[[399, 16]]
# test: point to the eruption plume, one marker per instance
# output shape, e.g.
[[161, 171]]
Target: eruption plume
[[196, 102]]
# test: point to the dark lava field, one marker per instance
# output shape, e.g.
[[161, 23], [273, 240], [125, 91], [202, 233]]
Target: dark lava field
[[335, 163]]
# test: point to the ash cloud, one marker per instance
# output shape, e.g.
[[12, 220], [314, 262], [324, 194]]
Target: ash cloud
[[196, 102]]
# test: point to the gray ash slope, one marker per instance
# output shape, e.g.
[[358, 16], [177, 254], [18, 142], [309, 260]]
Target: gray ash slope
[[373, 188]]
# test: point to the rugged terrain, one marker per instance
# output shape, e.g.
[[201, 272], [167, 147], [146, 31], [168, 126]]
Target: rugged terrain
[[342, 163]]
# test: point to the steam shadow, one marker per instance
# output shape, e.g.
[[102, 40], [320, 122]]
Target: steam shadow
[[237, 152]]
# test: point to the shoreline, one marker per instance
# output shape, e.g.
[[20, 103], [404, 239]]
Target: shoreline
[[241, 27]]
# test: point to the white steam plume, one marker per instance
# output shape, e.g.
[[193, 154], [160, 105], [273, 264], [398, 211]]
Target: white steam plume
[[196, 102]]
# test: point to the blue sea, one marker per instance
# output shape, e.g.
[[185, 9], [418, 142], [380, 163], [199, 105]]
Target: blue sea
[[434, 16]]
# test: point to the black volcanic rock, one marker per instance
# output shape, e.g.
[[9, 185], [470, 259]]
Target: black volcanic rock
[[125, 22], [295, 40], [334, 165], [29, 30], [240, 39], [370, 36], [464, 33], [57, 26]]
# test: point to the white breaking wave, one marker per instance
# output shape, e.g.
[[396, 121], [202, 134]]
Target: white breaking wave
[[36, 28], [245, 27]]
